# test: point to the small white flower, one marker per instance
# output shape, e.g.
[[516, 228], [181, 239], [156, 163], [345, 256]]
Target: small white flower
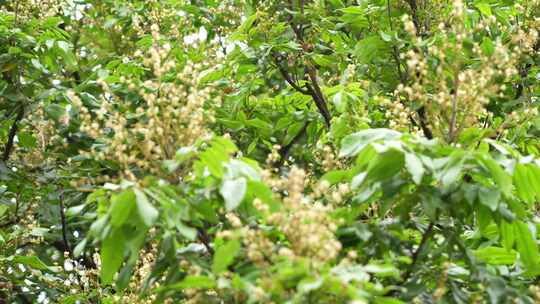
[[42, 297], [68, 266]]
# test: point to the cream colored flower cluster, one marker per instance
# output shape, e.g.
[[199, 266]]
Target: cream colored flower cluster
[[45, 135], [328, 158], [25, 10], [453, 89], [308, 226], [142, 271], [171, 114]]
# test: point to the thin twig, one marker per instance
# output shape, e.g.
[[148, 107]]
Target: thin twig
[[284, 151], [418, 251], [403, 74], [288, 78], [523, 72], [452, 127], [63, 222], [414, 12], [204, 238], [318, 96], [313, 89]]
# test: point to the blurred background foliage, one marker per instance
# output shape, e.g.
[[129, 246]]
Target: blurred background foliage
[[244, 151]]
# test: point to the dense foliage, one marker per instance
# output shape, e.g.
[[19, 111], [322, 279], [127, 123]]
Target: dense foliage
[[265, 151]]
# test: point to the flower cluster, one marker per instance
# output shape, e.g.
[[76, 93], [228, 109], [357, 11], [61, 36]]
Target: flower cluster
[[45, 134], [168, 115], [455, 78], [27, 9], [141, 273], [307, 226]]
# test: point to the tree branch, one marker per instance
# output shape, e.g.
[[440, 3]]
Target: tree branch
[[313, 89], [416, 254], [63, 222], [523, 72], [284, 151], [12, 133], [205, 239], [288, 78], [452, 132], [423, 122], [403, 74], [318, 96], [414, 12]]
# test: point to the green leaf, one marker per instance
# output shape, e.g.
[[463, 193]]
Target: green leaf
[[487, 46], [112, 255], [527, 247], [339, 101], [75, 210], [489, 198], [415, 167], [260, 124], [55, 111], [369, 48], [354, 143], [387, 300], [194, 282], [355, 16], [237, 168], [233, 192], [382, 270], [264, 193], [453, 168], [385, 165], [525, 190], [217, 154], [189, 232], [225, 255], [496, 255], [507, 234], [80, 248], [122, 206], [533, 174], [484, 8], [27, 140], [501, 178], [337, 176], [147, 211], [3, 210], [30, 261]]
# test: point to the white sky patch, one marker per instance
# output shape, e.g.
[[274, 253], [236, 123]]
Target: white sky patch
[[195, 38], [203, 34], [190, 39]]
